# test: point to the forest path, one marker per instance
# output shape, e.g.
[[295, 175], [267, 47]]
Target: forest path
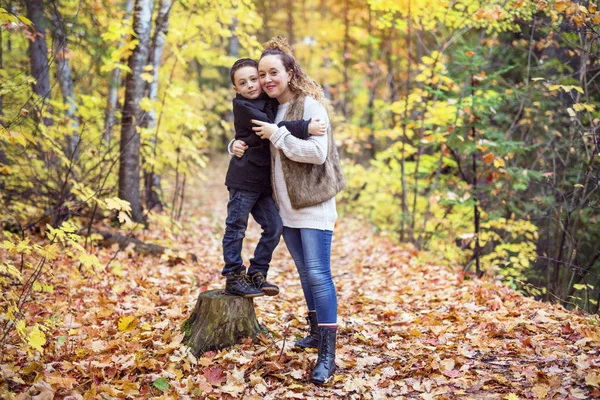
[[407, 328]]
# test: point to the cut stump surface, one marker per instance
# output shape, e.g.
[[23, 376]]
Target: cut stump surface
[[220, 320]]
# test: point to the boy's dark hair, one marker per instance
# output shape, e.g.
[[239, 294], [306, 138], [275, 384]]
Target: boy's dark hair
[[242, 62]]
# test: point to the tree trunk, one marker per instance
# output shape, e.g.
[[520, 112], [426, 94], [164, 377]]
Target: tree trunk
[[264, 7], [3, 159], [129, 156], [152, 182], [373, 72], [115, 82], [65, 81], [404, 225], [38, 54], [346, 55], [1, 68], [234, 42], [290, 22], [220, 320]]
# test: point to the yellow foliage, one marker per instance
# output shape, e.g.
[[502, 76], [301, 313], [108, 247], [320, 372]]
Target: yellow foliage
[[37, 338], [127, 323]]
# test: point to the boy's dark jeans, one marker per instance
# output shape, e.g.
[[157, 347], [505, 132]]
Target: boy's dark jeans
[[262, 207]]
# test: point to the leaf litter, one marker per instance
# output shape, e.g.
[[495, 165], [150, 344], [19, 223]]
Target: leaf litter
[[407, 328]]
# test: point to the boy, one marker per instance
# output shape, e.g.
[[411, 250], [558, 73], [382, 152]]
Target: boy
[[249, 183]]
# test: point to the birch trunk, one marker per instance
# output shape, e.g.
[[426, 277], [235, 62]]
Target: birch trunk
[[152, 181], [113, 91], [129, 155]]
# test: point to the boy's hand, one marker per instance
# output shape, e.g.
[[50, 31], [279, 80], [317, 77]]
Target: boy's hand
[[239, 148], [264, 129], [316, 127]]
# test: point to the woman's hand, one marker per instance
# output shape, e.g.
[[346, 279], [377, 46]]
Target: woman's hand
[[239, 148], [264, 129]]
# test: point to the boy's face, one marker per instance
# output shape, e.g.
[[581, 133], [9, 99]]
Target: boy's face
[[246, 82]]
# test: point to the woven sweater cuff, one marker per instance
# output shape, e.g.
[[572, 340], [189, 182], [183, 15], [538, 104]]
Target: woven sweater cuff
[[279, 134]]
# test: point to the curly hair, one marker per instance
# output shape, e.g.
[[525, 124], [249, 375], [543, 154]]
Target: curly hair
[[301, 83]]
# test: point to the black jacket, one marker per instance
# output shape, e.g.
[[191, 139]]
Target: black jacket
[[253, 171]]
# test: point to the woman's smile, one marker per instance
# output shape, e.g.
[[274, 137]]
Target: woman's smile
[[274, 79]]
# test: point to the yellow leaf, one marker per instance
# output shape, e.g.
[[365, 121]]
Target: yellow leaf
[[146, 104], [571, 112], [10, 270], [123, 217], [115, 203], [20, 326], [147, 77], [561, 5], [540, 391], [512, 396], [593, 379], [50, 251], [127, 323], [37, 338], [25, 20]]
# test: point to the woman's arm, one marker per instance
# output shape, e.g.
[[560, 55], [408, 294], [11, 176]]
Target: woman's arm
[[310, 151]]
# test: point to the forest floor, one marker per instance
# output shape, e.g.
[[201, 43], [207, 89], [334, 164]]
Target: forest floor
[[407, 328]]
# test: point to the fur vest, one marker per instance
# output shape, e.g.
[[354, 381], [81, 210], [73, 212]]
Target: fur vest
[[311, 184]]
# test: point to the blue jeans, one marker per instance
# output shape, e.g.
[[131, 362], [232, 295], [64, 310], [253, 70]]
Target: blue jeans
[[241, 204], [311, 251]]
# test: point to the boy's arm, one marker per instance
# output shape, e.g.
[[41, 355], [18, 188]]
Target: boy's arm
[[298, 128]]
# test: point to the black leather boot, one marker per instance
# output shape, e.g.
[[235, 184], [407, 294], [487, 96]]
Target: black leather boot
[[260, 282], [240, 285], [313, 338], [325, 366]]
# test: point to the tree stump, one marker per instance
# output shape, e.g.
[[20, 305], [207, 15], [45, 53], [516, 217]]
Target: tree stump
[[220, 320]]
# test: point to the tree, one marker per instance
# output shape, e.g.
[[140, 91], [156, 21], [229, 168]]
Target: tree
[[38, 53], [113, 90], [65, 81], [129, 151], [151, 178]]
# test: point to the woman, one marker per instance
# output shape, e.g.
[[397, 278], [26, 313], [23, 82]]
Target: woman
[[306, 176]]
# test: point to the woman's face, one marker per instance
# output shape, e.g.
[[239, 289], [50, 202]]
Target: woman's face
[[274, 78]]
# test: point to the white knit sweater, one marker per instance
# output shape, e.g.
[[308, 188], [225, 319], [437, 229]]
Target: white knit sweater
[[313, 151]]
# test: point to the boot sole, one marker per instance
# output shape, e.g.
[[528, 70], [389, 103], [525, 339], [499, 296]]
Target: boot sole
[[297, 346], [246, 296], [322, 383], [270, 292]]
